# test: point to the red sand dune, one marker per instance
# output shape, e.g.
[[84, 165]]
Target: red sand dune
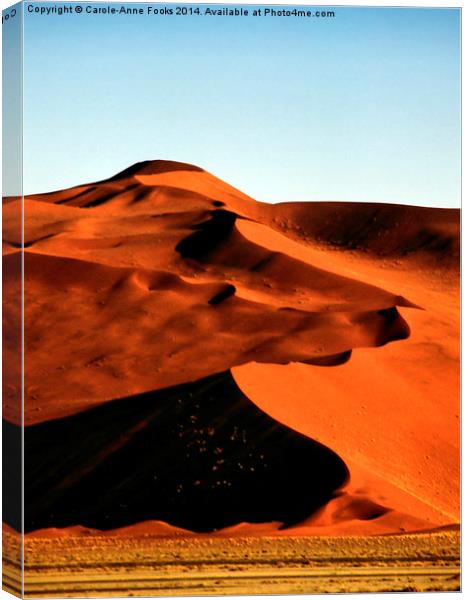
[[164, 275]]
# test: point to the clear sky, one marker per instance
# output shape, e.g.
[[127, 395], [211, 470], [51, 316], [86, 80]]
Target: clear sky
[[363, 106]]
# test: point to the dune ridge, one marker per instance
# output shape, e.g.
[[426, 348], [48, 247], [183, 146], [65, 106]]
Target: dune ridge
[[182, 277], [94, 250]]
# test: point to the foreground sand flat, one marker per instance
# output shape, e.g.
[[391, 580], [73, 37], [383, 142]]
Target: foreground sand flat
[[111, 566]]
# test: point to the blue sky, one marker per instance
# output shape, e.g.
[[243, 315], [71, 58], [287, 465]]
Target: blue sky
[[364, 106]]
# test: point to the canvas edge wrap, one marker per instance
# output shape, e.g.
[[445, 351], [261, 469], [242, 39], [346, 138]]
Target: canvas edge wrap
[[13, 333]]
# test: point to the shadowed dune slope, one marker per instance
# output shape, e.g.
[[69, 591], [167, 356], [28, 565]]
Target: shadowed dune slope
[[381, 229], [164, 275], [200, 456]]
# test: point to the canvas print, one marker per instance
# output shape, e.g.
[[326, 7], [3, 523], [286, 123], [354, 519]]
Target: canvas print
[[231, 299]]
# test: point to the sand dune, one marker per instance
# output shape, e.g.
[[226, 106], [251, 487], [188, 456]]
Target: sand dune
[[340, 321], [404, 406], [199, 456]]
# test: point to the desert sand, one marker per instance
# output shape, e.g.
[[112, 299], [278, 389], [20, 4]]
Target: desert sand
[[125, 565], [314, 345]]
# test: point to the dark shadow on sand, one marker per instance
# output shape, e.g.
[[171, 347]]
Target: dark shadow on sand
[[199, 456]]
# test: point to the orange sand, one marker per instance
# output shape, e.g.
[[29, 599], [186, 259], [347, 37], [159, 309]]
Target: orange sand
[[312, 281]]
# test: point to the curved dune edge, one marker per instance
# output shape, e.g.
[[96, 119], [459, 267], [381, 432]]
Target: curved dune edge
[[199, 456], [391, 413], [411, 463]]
